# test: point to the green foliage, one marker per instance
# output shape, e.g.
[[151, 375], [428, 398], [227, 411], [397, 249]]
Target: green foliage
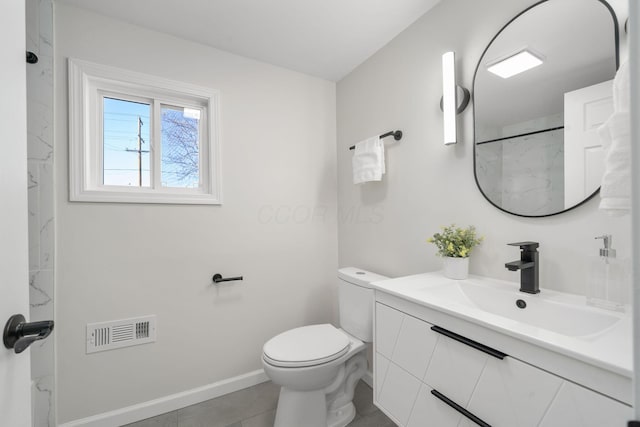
[[455, 242]]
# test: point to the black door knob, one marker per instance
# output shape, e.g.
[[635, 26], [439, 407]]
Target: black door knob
[[20, 334]]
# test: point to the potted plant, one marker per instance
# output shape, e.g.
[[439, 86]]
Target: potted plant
[[454, 245]]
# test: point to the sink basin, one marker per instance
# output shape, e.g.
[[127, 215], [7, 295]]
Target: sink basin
[[556, 312]]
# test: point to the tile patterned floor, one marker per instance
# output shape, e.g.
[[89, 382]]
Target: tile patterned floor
[[256, 407]]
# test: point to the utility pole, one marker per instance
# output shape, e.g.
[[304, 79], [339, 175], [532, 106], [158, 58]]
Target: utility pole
[[139, 151]]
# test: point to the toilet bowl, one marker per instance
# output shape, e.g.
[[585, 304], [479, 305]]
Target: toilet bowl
[[319, 366]]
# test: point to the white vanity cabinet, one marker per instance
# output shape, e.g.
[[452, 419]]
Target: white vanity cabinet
[[426, 375]]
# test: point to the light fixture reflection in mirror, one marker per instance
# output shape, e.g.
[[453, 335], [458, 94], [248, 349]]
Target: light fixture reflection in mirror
[[515, 64], [449, 97]]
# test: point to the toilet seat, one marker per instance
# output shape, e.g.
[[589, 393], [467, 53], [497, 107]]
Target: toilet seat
[[306, 346]]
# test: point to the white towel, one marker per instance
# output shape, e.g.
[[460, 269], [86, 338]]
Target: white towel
[[368, 160], [615, 189]]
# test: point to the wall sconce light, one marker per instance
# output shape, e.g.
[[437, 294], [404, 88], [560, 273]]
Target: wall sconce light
[[454, 98]]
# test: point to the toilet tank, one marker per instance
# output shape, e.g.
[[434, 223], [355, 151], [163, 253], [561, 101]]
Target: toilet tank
[[355, 297]]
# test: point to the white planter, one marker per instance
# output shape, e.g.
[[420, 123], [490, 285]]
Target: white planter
[[456, 268]]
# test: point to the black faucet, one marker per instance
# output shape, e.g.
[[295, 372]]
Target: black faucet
[[528, 266]]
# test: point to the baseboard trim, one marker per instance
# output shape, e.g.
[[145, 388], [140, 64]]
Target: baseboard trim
[[368, 378], [170, 403]]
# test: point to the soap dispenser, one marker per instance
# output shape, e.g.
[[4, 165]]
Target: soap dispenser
[[605, 283]]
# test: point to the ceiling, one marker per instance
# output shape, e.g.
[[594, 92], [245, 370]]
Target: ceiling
[[323, 38]]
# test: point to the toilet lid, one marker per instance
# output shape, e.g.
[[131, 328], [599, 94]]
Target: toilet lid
[[306, 346]]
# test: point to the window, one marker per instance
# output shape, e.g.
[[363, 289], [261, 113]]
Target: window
[[141, 139]]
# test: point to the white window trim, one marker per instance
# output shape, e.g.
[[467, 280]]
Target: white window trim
[[86, 81]]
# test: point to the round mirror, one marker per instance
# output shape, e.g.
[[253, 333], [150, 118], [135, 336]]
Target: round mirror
[[542, 88]]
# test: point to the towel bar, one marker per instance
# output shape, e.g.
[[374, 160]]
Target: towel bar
[[397, 135], [217, 278]]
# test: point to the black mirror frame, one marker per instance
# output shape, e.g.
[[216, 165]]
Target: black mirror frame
[[617, 58]]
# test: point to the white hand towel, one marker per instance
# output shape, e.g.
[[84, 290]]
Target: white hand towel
[[615, 189], [368, 161]]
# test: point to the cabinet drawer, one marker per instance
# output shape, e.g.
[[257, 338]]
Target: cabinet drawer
[[388, 323], [511, 393], [407, 341], [398, 393], [580, 407], [412, 360], [454, 369], [430, 412]]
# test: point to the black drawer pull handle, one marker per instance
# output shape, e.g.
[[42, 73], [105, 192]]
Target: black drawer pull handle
[[459, 408], [464, 340]]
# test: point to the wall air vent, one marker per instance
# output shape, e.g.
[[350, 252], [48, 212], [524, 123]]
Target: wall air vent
[[120, 333]]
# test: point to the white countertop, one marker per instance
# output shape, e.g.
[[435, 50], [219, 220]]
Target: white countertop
[[609, 348]]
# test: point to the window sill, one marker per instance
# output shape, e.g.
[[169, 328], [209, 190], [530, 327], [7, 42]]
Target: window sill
[[146, 197]]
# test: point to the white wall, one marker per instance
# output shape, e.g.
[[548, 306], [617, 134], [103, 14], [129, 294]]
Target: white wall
[[277, 227], [427, 184]]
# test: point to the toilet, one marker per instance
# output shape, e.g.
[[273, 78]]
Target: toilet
[[318, 366]]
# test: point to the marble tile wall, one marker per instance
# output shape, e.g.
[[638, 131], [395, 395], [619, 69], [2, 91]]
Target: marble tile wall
[[39, 37], [533, 173], [489, 170], [524, 174]]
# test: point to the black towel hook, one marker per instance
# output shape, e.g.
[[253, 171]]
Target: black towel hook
[[217, 278], [32, 58]]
